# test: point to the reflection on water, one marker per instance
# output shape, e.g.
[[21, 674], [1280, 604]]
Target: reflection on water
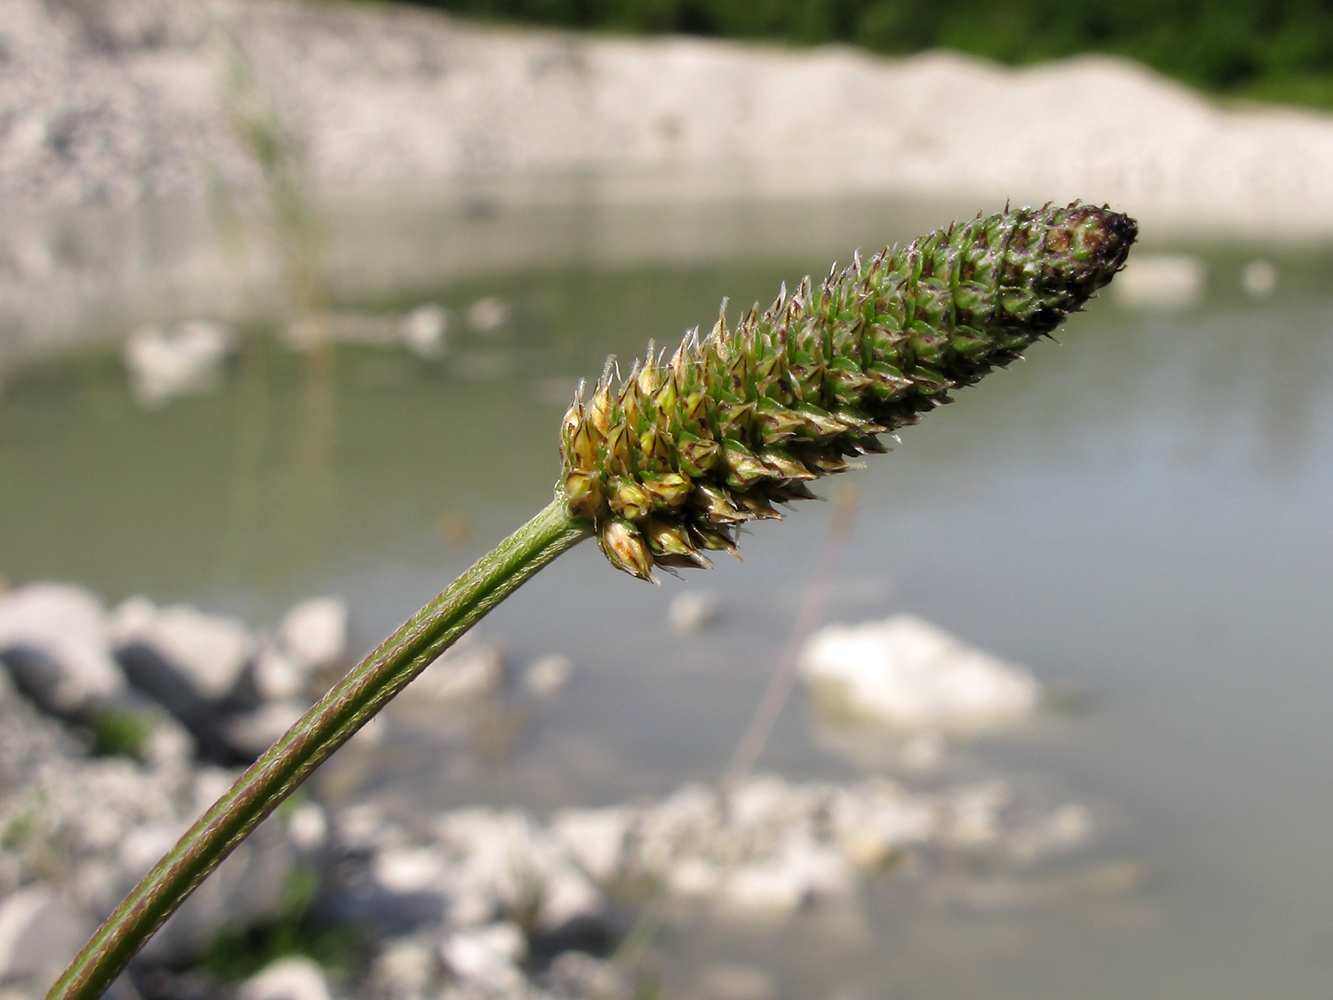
[[1138, 515]]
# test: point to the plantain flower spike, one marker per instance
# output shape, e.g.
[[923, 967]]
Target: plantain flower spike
[[670, 462]]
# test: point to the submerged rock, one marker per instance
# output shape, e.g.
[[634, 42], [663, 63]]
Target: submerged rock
[[913, 676], [186, 360]]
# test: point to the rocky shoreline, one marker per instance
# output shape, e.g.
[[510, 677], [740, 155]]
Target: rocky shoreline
[[121, 101], [118, 727]]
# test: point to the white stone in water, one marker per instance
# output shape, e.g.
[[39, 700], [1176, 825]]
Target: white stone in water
[[694, 611], [548, 675], [314, 633], [39, 934], [210, 651], [975, 819], [594, 838], [488, 957], [488, 315], [870, 823], [67, 627], [185, 361], [1161, 281], [805, 871], [424, 330], [913, 676], [472, 669], [294, 978], [1259, 279]]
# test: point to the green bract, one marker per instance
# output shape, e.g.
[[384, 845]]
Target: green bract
[[668, 463]]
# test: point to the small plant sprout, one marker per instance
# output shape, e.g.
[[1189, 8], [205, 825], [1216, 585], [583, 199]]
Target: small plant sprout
[[665, 465]]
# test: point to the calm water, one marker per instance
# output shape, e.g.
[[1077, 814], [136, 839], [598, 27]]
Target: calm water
[[1140, 514]]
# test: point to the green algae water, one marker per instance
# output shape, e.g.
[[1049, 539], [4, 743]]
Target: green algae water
[[1138, 514]]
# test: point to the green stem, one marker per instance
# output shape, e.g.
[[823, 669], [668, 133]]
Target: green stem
[[328, 725]]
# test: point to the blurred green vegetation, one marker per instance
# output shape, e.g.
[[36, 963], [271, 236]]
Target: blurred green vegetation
[[1277, 50]]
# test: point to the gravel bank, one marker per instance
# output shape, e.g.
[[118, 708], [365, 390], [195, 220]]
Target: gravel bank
[[116, 101]]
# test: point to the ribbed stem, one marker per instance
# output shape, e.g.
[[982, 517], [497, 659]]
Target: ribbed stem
[[328, 725]]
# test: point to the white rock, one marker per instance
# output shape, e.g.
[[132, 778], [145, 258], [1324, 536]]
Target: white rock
[[185, 361], [314, 633], [576, 975], [488, 956], [210, 651], [364, 827], [410, 869], [364, 329], [308, 826], [594, 838], [1062, 830], [1259, 279], [39, 934], [548, 675], [805, 871], [524, 869], [871, 823], [913, 676], [471, 669], [277, 675], [254, 732], [247, 889], [1161, 281], [424, 330], [694, 611], [732, 981], [406, 968], [66, 627], [976, 820], [295, 978], [487, 315]]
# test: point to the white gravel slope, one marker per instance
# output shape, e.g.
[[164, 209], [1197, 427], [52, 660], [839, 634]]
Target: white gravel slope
[[118, 100]]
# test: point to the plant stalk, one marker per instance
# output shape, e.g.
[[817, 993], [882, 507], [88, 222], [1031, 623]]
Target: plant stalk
[[352, 703]]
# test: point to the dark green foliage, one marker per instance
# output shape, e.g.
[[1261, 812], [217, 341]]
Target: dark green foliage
[[1273, 49]]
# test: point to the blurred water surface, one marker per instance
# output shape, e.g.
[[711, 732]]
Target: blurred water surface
[[1139, 514]]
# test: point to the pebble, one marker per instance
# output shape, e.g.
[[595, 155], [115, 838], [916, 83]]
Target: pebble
[[472, 669], [294, 978], [424, 330], [488, 315], [53, 638], [185, 360], [694, 611], [548, 676], [488, 957], [39, 934], [1161, 281], [313, 634], [208, 651], [1259, 279], [913, 676]]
